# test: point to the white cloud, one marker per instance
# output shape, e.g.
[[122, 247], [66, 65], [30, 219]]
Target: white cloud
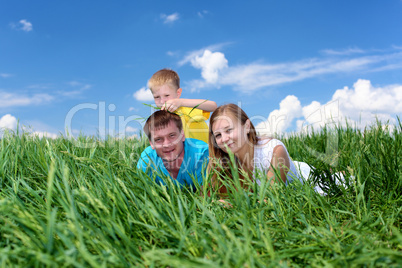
[[12, 99], [40, 86], [280, 120], [360, 105], [82, 86], [210, 64], [347, 51], [42, 134], [3, 75], [198, 53], [76, 132], [143, 94], [316, 115], [22, 25], [135, 136], [250, 77], [78, 89], [74, 83], [363, 101], [26, 25], [364, 96], [8, 121], [201, 14], [170, 18], [70, 94], [131, 129]]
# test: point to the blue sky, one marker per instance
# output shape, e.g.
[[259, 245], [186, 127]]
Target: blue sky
[[84, 65]]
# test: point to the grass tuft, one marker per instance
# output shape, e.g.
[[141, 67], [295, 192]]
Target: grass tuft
[[82, 202]]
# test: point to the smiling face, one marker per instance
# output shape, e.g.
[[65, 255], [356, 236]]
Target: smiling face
[[230, 133], [164, 93], [168, 142]]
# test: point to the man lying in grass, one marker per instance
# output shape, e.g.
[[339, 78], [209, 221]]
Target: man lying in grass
[[170, 154]]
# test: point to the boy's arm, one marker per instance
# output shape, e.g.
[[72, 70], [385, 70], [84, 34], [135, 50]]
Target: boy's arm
[[173, 104]]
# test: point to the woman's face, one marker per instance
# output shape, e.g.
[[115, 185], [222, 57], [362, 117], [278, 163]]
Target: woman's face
[[230, 133]]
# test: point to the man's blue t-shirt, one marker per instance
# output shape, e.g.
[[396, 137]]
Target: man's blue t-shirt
[[194, 163]]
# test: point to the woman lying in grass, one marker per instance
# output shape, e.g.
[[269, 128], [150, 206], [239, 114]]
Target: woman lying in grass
[[232, 131]]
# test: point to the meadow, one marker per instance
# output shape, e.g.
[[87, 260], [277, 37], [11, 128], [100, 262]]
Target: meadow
[[64, 205]]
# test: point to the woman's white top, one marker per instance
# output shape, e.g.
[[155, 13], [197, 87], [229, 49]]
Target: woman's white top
[[263, 152]]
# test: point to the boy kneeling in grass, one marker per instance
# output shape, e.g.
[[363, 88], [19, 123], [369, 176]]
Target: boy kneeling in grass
[[166, 90]]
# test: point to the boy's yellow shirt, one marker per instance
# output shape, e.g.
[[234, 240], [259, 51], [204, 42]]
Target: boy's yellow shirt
[[194, 124]]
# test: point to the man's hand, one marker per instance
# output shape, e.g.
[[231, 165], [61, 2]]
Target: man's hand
[[171, 105]]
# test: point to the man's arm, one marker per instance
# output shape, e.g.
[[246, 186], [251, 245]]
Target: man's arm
[[202, 172], [142, 165], [201, 163], [173, 104]]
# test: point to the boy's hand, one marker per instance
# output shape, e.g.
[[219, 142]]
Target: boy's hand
[[171, 105]]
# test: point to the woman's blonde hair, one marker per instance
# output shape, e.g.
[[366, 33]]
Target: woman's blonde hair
[[219, 161]]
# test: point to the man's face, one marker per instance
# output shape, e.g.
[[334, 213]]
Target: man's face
[[164, 93], [168, 142]]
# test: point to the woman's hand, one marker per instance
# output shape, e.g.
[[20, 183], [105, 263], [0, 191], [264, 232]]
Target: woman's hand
[[224, 203]]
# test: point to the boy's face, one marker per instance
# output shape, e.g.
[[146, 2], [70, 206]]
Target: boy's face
[[168, 142], [164, 93]]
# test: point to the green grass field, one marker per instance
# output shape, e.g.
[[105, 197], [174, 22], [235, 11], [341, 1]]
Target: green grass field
[[64, 205]]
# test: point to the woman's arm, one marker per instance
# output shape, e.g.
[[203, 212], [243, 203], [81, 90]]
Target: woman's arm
[[280, 161]]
